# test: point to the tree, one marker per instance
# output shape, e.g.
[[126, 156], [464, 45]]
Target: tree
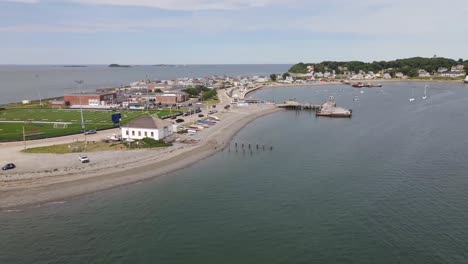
[[273, 77], [460, 60], [285, 75]]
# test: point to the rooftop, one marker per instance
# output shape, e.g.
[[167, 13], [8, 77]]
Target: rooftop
[[148, 122]]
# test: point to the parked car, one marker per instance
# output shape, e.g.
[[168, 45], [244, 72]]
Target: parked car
[[180, 120], [89, 132], [83, 158], [201, 115], [9, 166]]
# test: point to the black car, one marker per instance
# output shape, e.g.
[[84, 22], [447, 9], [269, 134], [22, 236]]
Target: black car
[[200, 115], [9, 166]]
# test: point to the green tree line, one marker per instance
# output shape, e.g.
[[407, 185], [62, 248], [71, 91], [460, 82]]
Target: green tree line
[[409, 66]]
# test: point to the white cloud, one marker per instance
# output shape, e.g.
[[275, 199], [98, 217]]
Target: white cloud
[[22, 1], [187, 5]]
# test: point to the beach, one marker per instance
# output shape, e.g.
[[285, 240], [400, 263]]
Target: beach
[[62, 176]]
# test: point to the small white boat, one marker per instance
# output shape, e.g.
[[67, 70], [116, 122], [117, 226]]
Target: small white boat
[[425, 93], [466, 79], [412, 95]]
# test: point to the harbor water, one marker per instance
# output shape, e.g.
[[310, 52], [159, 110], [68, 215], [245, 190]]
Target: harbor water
[[385, 186]]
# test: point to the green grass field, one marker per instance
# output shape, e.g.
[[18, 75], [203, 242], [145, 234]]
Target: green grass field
[[94, 119]]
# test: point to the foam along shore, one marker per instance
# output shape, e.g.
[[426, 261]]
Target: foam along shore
[[112, 168]]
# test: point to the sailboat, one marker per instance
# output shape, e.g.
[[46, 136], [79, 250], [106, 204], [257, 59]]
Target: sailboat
[[412, 95], [425, 92]]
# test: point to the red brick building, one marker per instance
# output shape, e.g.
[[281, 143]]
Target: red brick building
[[92, 99]]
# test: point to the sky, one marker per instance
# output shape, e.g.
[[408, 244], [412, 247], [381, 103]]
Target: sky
[[229, 31]]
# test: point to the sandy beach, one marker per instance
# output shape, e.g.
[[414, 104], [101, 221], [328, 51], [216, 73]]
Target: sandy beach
[[42, 178]]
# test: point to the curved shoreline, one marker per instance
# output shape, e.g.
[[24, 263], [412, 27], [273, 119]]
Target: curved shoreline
[[284, 85], [67, 187]]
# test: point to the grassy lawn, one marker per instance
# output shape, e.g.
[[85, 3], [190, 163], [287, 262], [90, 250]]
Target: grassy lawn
[[77, 147], [94, 119]]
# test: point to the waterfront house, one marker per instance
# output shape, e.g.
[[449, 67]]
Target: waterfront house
[[147, 126], [458, 68], [424, 73], [442, 70]]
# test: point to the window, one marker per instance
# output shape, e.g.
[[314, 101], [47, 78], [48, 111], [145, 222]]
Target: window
[[133, 132], [139, 133], [152, 134], [127, 132], [146, 134]]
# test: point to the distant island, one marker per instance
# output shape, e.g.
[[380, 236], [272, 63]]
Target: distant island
[[118, 65], [163, 65], [74, 66], [411, 67]]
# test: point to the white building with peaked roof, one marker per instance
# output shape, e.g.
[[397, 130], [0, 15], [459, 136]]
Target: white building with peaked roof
[[147, 126]]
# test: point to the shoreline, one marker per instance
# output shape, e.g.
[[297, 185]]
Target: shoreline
[[43, 190]]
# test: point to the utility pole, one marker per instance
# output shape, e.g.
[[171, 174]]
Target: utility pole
[[83, 127], [24, 139], [38, 92], [147, 94]]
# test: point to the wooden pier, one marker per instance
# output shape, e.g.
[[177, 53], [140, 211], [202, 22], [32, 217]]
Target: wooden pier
[[298, 106], [328, 109]]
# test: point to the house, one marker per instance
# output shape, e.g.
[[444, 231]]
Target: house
[[424, 73], [399, 75], [458, 68], [147, 126], [442, 70]]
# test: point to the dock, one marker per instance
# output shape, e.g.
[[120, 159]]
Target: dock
[[328, 109], [298, 106]]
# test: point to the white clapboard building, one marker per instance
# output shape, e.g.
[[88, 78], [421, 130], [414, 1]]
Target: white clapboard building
[[147, 126]]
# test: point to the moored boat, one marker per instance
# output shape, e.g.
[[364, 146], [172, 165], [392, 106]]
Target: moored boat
[[466, 79]]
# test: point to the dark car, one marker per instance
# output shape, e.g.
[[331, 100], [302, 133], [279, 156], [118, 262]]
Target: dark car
[[180, 120], [89, 132], [201, 115], [9, 166]]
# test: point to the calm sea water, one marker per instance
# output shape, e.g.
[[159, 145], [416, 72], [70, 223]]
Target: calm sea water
[[387, 186], [28, 82]]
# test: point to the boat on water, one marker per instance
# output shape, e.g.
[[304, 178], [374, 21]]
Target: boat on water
[[466, 79], [358, 85], [412, 95], [425, 92]]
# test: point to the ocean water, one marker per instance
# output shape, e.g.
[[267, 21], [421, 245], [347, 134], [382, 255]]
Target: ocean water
[[32, 82], [386, 186]]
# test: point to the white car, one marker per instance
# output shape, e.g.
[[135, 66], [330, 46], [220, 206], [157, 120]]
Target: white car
[[83, 158]]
